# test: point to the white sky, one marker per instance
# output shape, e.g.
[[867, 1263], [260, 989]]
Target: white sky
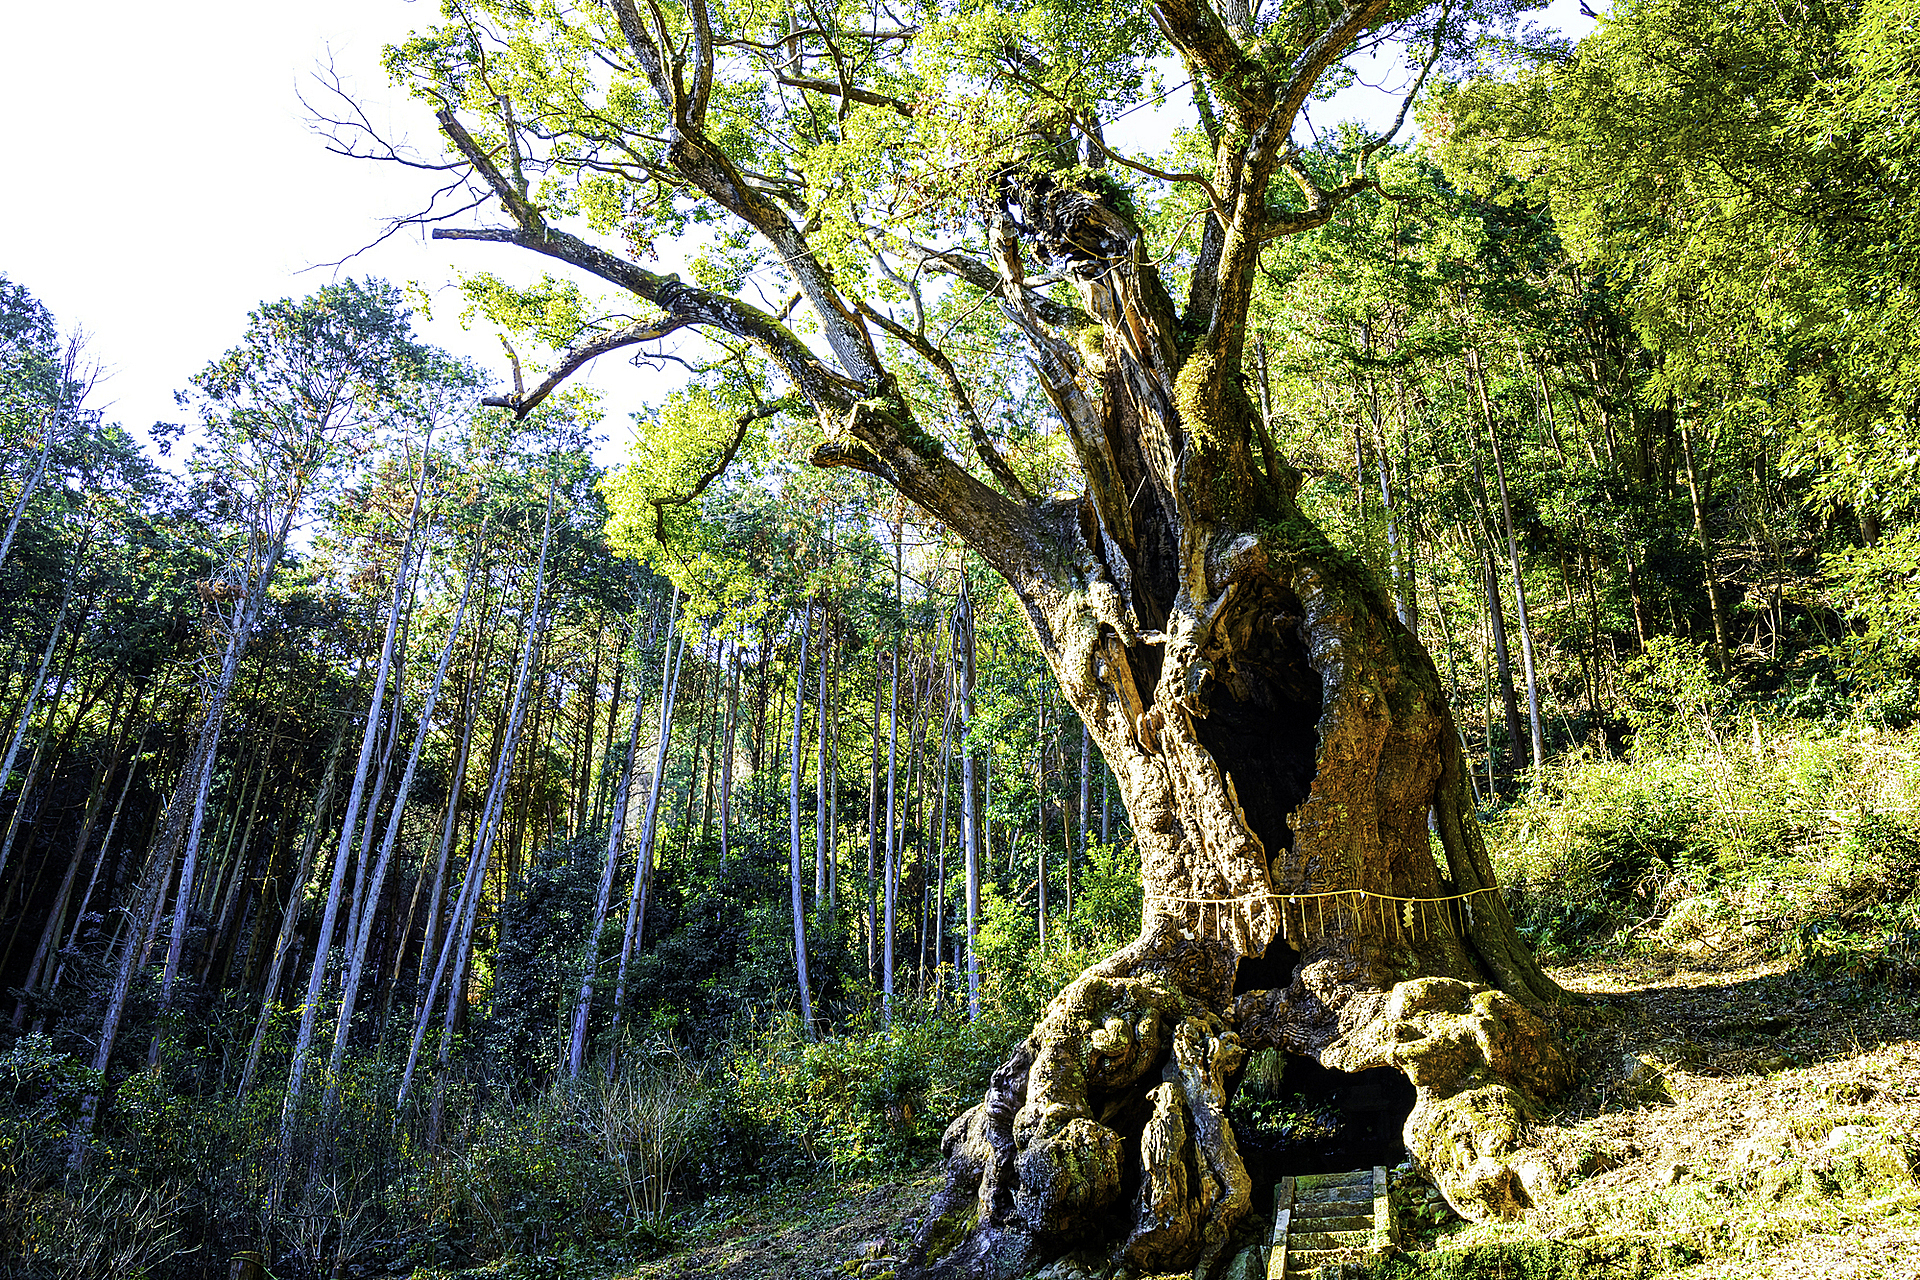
[[165, 181]]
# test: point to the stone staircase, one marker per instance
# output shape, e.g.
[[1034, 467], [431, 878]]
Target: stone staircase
[[1325, 1219]]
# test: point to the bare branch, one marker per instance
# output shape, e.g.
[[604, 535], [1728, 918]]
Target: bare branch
[[987, 280], [1213, 195], [957, 392], [847, 91], [777, 46], [524, 403], [828, 390], [1419, 82], [510, 195]]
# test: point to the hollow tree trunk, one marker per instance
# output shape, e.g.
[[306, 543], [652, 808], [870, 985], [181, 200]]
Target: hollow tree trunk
[[1279, 739]]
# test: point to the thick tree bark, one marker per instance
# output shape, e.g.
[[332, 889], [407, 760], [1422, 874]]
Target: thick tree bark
[[1279, 738]]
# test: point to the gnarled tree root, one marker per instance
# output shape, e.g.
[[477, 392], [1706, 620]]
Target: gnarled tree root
[[1482, 1066], [1106, 1134]]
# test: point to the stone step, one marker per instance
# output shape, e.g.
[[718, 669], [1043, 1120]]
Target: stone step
[[1356, 1221], [1308, 1241], [1323, 1220], [1314, 1217], [1332, 1203], [1334, 1191], [1344, 1204]]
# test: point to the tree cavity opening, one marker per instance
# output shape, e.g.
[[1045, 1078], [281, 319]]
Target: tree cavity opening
[[1263, 712], [1292, 1116]]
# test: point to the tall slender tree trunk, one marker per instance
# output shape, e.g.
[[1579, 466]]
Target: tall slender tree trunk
[[820, 829], [603, 898], [22, 803], [1521, 619], [890, 867], [51, 423], [602, 789], [793, 818], [56, 919], [1496, 620], [323, 948], [93, 878], [449, 828], [1040, 819], [457, 945], [833, 795], [643, 860], [247, 616], [874, 836], [940, 827], [290, 918], [357, 954], [1086, 755], [182, 821], [32, 701], [726, 761], [969, 819], [1698, 481]]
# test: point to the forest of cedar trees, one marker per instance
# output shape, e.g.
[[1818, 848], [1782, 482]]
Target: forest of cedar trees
[[1155, 644]]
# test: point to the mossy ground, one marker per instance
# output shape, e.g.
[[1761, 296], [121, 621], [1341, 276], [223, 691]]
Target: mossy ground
[[802, 1231]]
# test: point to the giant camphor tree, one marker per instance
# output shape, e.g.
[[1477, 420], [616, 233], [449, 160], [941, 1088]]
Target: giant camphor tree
[[1281, 740]]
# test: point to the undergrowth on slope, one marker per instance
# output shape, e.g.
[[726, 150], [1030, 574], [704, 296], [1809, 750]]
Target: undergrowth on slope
[[1731, 833]]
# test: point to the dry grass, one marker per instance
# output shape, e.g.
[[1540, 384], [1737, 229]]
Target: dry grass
[[1738, 1122], [800, 1232]]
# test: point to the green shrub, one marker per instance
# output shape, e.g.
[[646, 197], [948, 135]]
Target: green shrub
[[1725, 831], [871, 1098]]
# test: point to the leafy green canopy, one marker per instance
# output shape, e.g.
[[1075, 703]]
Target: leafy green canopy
[[849, 156], [1746, 173]]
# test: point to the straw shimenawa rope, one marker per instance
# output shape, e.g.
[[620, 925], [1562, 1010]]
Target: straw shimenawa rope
[[1401, 921]]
